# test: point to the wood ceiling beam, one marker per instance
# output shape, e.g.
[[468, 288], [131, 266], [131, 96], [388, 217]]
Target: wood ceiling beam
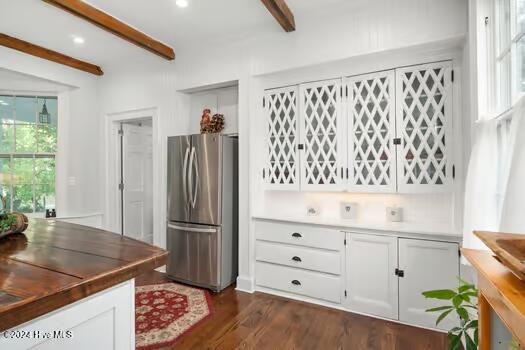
[[282, 13], [50, 55], [114, 26]]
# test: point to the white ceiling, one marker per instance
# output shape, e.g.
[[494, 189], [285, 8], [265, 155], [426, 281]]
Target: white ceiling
[[204, 22]]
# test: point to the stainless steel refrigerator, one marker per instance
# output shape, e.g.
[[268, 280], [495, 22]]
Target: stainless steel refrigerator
[[202, 226]]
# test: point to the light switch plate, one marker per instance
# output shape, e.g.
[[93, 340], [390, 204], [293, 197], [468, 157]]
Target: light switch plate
[[348, 210]]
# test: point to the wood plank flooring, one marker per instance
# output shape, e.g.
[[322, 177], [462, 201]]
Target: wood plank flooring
[[262, 321]]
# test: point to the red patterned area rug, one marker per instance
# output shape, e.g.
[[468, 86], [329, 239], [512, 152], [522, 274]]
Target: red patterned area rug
[[165, 312]]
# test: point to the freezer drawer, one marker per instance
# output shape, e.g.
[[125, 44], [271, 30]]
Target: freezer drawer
[[194, 254]]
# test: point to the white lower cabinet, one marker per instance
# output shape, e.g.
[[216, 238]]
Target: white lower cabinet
[[298, 281], [379, 274], [372, 286], [426, 265]]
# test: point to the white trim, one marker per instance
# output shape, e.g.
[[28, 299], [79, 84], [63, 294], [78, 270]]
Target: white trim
[[112, 202], [80, 216], [245, 284]]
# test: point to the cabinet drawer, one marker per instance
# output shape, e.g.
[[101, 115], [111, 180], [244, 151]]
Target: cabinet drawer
[[305, 258], [297, 281], [309, 236]]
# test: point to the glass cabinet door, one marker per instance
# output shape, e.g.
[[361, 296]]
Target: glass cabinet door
[[371, 118], [424, 122], [322, 131], [281, 170]]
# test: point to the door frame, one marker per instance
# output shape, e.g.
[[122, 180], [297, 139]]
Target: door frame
[[112, 219]]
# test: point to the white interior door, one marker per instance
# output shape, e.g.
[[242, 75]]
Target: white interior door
[[137, 171], [426, 265], [372, 285]]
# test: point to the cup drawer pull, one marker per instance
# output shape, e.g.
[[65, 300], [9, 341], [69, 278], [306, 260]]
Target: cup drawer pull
[[296, 283], [296, 235], [296, 258]]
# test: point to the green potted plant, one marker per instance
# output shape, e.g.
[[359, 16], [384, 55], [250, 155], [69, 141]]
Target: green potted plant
[[10, 222], [462, 302]]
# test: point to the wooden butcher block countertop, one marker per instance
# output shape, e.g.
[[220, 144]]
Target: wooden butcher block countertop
[[54, 264]]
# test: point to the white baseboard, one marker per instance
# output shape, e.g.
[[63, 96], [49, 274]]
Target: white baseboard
[[161, 269], [245, 284]]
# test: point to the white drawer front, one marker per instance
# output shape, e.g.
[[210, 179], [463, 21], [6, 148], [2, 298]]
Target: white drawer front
[[309, 236], [297, 281], [305, 258]]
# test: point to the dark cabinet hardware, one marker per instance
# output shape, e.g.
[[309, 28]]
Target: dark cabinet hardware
[[300, 146], [296, 235], [397, 141], [296, 283], [296, 258], [400, 273]]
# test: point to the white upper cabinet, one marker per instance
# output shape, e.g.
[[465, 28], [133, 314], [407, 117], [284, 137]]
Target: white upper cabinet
[[322, 136], [391, 133], [281, 110], [371, 121], [424, 125]]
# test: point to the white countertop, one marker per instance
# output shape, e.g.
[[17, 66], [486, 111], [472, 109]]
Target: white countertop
[[437, 229]]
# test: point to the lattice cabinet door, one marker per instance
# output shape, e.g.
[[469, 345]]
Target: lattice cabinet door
[[281, 109], [322, 136], [371, 131], [424, 126]]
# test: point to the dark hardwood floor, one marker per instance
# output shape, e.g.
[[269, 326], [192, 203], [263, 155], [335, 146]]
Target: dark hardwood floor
[[262, 321]]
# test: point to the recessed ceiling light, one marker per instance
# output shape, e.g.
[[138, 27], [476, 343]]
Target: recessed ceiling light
[[182, 3], [78, 40]]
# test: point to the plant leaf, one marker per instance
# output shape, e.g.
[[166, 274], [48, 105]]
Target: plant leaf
[[476, 336], [472, 324], [470, 343], [464, 288], [442, 294], [462, 312], [454, 342], [442, 316], [457, 300], [441, 308], [465, 283]]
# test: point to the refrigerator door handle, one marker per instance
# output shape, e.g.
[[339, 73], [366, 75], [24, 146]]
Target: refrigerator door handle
[[190, 176], [197, 179], [193, 188], [192, 229], [185, 175]]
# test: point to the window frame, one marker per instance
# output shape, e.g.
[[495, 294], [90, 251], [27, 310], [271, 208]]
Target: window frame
[[28, 155], [496, 57]]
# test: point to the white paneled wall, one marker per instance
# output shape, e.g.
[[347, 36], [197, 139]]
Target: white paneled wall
[[365, 28], [79, 155]]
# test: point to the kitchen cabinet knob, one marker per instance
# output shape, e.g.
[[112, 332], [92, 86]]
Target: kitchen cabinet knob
[[296, 258], [296, 235], [296, 283]]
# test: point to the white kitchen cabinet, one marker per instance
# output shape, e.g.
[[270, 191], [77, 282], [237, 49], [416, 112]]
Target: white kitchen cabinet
[[426, 265], [281, 109], [322, 136], [391, 133], [424, 127], [372, 286], [372, 127]]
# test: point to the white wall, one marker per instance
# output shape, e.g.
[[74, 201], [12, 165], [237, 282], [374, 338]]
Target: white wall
[[78, 165], [379, 27]]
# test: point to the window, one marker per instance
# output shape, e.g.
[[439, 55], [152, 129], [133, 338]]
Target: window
[[28, 143], [509, 53]]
